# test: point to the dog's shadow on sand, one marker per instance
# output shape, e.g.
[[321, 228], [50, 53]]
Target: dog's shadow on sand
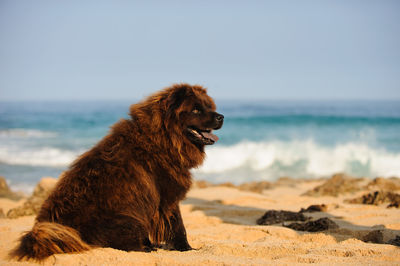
[[228, 213], [241, 215]]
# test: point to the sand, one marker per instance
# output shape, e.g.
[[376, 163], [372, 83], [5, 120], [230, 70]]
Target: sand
[[221, 226]]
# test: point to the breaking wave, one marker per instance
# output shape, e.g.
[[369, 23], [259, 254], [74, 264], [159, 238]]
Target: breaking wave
[[45, 156], [26, 133], [268, 160], [247, 160]]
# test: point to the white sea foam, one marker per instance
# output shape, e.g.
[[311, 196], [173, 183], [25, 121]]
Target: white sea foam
[[44, 156], [26, 133], [250, 160], [270, 159]]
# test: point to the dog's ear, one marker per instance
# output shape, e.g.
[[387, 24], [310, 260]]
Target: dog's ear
[[176, 98]]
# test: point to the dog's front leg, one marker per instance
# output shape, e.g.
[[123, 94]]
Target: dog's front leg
[[178, 238]]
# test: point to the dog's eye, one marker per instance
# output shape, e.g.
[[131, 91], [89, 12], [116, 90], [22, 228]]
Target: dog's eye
[[196, 111]]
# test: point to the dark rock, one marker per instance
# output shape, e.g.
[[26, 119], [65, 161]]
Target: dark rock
[[274, 217], [315, 208], [394, 204], [314, 226], [395, 241], [336, 185], [375, 236]]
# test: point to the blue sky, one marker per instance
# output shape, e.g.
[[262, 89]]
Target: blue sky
[[83, 50]]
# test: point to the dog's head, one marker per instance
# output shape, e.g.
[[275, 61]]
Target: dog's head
[[195, 113], [179, 112]]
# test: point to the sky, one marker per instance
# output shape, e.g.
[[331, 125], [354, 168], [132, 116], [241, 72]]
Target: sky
[[247, 50]]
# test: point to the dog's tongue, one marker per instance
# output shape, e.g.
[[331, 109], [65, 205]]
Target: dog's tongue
[[210, 136]]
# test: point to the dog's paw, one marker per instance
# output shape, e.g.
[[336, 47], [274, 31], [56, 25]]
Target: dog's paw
[[149, 249], [182, 246]]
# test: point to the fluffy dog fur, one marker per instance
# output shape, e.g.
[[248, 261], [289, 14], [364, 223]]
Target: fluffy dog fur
[[124, 193]]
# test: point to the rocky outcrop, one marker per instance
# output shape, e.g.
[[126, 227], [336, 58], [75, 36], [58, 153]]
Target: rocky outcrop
[[35, 201], [377, 198], [5, 191], [380, 183], [336, 185]]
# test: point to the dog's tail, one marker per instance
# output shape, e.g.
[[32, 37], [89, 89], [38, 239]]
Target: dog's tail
[[47, 239]]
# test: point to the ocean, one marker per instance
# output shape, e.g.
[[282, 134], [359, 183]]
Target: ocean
[[260, 140]]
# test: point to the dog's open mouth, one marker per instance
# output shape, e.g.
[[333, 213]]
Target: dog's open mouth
[[204, 136]]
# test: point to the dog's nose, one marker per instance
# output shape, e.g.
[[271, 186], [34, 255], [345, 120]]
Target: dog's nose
[[219, 117]]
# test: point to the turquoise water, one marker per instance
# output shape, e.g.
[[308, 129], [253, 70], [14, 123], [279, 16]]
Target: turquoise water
[[259, 140]]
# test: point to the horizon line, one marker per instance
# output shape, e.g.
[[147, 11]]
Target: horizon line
[[215, 98]]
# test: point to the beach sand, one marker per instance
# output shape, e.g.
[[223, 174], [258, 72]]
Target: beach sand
[[221, 227]]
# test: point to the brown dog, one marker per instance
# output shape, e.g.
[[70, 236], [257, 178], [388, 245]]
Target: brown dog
[[124, 193]]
